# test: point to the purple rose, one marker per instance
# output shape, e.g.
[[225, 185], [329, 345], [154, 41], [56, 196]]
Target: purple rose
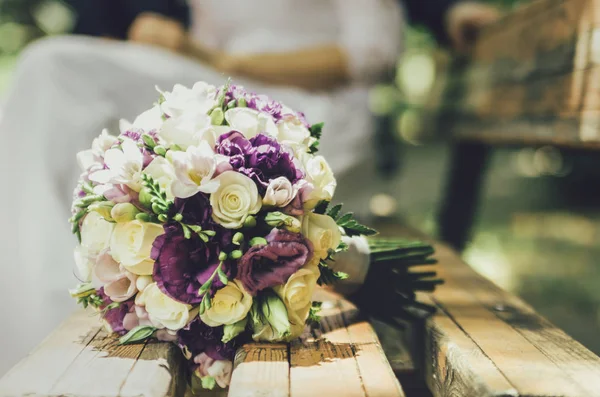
[[183, 265], [199, 338], [114, 317], [261, 158], [264, 266]]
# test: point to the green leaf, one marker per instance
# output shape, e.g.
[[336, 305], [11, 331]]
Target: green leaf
[[334, 212], [137, 334], [316, 130], [314, 148], [321, 207], [345, 218], [328, 276]]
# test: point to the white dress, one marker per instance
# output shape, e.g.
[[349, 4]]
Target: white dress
[[68, 88]]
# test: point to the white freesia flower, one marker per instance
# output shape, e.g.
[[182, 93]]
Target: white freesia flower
[[187, 110], [124, 166], [194, 171], [250, 122], [320, 176], [162, 171], [96, 233], [92, 158], [201, 97], [323, 233], [280, 192], [297, 294], [229, 305], [236, 198], [162, 310], [150, 120], [131, 245]]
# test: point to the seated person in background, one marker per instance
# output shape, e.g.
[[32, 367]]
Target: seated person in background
[[317, 56]]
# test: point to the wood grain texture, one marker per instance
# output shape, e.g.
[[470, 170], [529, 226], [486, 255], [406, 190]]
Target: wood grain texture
[[486, 342], [81, 359], [51, 358], [261, 370]]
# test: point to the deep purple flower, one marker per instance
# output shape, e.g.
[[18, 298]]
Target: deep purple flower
[[114, 317], [264, 266], [261, 158], [198, 338], [183, 265]]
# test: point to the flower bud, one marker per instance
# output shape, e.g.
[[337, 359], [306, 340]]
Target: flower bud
[[124, 212], [281, 220], [160, 150], [217, 116], [270, 320], [242, 103], [238, 238], [103, 208], [230, 331], [250, 221], [145, 197], [258, 241]]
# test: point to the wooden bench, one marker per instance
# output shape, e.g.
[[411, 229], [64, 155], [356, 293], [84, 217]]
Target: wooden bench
[[481, 342], [534, 80]]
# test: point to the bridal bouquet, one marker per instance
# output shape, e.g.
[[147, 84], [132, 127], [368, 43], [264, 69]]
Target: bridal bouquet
[[207, 222]]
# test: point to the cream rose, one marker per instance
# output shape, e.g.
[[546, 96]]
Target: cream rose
[[162, 310], [292, 132], [320, 175], [131, 245], [296, 294], [323, 233], [280, 192], [235, 199], [355, 262], [229, 305], [96, 234]]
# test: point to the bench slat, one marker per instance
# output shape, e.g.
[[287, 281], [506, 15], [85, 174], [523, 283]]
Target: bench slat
[[51, 358], [484, 341], [261, 370]]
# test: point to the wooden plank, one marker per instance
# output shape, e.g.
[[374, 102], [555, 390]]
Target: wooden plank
[[484, 341], [37, 373], [576, 364], [261, 370], [100, 369], [158, 372], [346, 359]]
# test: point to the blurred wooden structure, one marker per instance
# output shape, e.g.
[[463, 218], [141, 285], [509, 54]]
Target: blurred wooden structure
[[534, 80]]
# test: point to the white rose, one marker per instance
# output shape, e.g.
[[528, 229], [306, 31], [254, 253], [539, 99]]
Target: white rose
[[235, 199], [280, 192], [297, 294], [230, 304], [185, 130], [162, 310], [320, 175], [162, 172], [96, 233], [292, 132], [323, 233], [131, 245], [251, 122]]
